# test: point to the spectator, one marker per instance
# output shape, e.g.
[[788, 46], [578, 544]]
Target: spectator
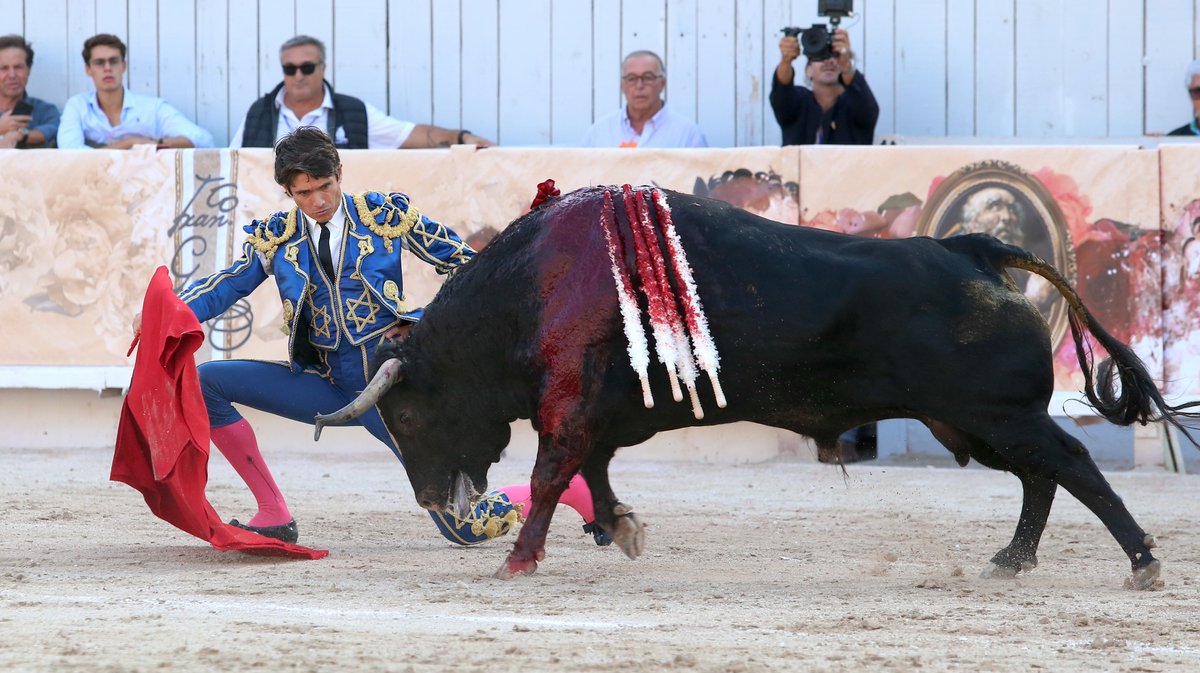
[[1191, 82], [645, 120], [25, 121], [839, 109], [113, 117], [304, 98]]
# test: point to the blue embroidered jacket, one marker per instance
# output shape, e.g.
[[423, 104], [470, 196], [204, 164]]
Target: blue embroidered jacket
[[367, 298]]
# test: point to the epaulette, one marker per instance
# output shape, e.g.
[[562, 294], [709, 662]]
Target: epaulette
[[388, 216], [266, 237]]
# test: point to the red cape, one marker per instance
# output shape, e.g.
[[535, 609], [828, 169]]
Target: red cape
[[162, 439]]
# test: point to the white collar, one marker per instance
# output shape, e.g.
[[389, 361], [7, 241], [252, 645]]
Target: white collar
[[326, 104]]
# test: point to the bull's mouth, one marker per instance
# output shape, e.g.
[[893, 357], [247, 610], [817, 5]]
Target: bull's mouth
[[457, 500]]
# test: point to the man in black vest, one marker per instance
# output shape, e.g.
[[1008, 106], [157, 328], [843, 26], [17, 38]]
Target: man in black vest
[[304, 98]]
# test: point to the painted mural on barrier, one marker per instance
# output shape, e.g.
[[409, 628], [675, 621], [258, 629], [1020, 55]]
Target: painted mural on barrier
[[81, 232], [1181, 268], [1078, 208]]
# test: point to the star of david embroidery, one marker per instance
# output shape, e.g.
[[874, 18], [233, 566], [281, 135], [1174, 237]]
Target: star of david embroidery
[[352, 306], [320, 322]]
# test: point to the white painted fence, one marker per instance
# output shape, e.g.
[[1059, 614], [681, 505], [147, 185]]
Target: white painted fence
[[537, 72]]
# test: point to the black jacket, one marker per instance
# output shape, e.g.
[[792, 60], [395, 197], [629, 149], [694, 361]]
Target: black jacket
[[349, 113], [851, 120]]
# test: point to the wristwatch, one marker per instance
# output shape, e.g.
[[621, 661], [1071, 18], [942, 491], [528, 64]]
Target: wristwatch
[[24, 132]]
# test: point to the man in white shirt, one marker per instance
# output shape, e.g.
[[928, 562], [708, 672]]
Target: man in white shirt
[[645, 120], [113, 117], [304, 98]]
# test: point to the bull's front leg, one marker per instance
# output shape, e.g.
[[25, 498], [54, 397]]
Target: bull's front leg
[[557, 462], [615, 517]]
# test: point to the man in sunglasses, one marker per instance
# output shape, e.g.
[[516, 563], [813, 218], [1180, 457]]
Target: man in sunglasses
[[304, 98], [839, 109], [1191, 80], [115, 118], [645, 120]]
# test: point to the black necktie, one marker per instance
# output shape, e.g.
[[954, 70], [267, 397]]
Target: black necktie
[[323, 252]]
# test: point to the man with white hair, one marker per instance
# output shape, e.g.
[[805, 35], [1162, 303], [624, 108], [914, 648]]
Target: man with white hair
[[645, 120], [1191, 81]]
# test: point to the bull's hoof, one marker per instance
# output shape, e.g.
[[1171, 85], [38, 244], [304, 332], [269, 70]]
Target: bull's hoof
[[630, 534], [513, 567], [1146, 578], [994, 571]]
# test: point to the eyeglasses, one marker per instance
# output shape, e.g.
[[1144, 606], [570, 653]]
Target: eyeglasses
[[112, 62], [1194, 92], [647, 78], [290, 69]]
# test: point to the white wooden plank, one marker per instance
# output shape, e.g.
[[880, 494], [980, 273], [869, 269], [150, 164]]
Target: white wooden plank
[[177, 56], [1126, 116], [777, 14], [13, 12], [276, 25], [315, 18], [212, 69], [112, 17], [360, 47], [716, 107], [750, 90], [878, 63], [921, 68], [1085, 70], [606, 58], [525, 73], [1167, 56], [410, 60], [570, 71], [142, 41], [81, 24], [481, 71], [643, 26], [243, 48], [681, 57], [1040, 70], [960, 69], [995, 71], [447, 64], [46, 28]]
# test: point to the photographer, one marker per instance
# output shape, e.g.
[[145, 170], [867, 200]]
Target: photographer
[[839, 109]]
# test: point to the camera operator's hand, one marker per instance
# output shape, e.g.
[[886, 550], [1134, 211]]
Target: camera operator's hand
[[789, 48], [845, 57]]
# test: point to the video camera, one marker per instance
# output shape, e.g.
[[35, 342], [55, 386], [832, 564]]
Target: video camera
[[817, 42]]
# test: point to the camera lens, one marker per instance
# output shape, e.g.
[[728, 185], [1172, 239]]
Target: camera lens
[[817, 43]]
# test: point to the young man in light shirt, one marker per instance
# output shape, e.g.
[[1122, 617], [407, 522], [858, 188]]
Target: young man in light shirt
[[113, 117]]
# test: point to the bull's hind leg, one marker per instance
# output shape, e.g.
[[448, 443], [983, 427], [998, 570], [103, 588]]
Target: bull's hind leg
[[1046, 451], [556, 463], [616, 518], [1020, 554]]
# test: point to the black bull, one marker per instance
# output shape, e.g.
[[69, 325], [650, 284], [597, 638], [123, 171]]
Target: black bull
[[818, 332]]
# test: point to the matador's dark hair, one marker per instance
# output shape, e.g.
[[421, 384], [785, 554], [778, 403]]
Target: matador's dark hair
[[307, 150]]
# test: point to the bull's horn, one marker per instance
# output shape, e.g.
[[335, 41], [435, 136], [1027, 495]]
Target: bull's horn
[[389, 374]]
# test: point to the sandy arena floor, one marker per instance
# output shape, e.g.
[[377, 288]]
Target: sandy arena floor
[[782, 566]]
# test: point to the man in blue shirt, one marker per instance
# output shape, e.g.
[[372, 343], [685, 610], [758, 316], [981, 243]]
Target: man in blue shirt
[[645, 120], [25, 121], [114, 117]]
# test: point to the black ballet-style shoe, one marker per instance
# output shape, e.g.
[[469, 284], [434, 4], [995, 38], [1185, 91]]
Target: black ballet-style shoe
[[602, 538], [286, 532]]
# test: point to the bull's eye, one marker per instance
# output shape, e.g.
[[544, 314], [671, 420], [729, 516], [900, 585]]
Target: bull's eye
[[403, 418]]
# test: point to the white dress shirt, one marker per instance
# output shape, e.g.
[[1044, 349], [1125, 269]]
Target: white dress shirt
[[664, 129], [383, 132], [83, 122]]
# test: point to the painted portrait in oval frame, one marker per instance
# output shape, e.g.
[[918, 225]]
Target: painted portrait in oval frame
[[998, 198]]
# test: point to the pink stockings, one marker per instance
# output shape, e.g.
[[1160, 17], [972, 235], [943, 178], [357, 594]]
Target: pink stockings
[[237, 443], [577, 496]]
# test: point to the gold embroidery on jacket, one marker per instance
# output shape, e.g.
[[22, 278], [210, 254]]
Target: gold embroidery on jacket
[[265, 242], [395, 223]]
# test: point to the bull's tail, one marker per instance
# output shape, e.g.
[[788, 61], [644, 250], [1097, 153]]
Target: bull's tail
[[1136, 399]]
